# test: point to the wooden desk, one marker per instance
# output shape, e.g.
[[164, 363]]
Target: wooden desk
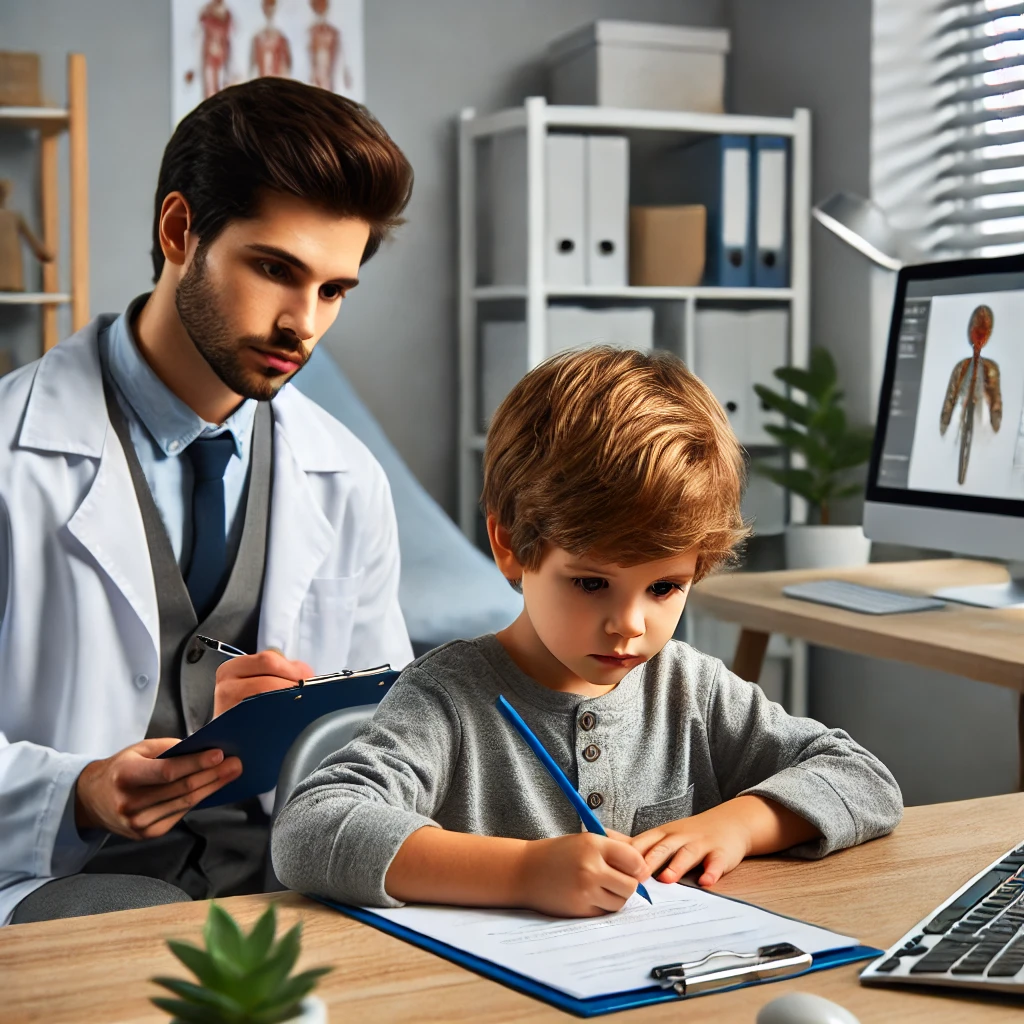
[[980, 643], [94, 970]]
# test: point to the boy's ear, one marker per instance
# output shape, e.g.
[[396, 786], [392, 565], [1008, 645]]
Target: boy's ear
[[501, 548]]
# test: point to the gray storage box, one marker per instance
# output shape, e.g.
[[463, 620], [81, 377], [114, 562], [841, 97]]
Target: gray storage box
[[639, 65]]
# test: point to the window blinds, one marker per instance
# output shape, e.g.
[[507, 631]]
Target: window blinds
[[976, 56]]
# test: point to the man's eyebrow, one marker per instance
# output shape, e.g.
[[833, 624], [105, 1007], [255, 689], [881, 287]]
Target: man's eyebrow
[[286, 257]]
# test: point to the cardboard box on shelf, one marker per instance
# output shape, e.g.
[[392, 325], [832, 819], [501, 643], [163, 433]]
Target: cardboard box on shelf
[[19, 79], [667, 245]]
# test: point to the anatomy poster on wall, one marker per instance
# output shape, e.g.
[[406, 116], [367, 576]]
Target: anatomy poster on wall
[[215, 43]]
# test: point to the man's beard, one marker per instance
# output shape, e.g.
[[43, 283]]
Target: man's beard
[[200, 315]]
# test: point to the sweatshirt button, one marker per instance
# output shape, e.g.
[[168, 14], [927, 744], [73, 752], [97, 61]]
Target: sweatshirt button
[[594, 801], [588, 720], [141, 680], [591, 752]]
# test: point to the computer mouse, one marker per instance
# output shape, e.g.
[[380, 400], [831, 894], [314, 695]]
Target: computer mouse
[[804, 1008]]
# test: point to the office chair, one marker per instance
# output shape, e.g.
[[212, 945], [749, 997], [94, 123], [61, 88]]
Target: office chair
[[318, 740]]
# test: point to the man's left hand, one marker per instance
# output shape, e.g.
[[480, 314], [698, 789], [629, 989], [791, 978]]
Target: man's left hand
[[249, 674]]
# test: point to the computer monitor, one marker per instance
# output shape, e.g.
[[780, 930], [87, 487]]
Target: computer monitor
[[947, 469]]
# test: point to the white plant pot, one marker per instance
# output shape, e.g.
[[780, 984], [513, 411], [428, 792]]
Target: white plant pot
[[826, 547], [313, 1010]]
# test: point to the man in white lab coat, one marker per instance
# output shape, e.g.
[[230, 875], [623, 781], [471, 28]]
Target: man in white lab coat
[[160, 480]]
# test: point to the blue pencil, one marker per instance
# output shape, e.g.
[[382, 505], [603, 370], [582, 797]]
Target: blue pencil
[[590, 820]]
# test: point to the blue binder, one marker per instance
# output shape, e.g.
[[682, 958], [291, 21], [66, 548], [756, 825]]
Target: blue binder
[[716, 172], [580, 1007], [261, 729], [770, 169]]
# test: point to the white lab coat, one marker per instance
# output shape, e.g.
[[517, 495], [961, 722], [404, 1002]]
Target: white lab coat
[[79, 628]]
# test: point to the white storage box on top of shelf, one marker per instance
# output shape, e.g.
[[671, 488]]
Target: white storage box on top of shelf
[[638, 65], [504, 358]]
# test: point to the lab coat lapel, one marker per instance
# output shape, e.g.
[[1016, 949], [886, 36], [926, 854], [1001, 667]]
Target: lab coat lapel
[[301, 535], [67, 414], [109, 526]]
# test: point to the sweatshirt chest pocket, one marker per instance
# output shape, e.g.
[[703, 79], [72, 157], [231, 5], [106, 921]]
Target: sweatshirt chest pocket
[[661, 813], [326, 619]]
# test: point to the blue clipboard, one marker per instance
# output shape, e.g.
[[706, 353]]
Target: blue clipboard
[[261, 729], [580, 1007]]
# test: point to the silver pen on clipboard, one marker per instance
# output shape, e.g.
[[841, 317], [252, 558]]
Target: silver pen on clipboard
[[328, 677]]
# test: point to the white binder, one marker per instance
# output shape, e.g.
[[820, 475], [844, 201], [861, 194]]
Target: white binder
[[503, 356], [771, 265], [565, 161], [769, 349], [722, 351], [607, 213], [736, 350]]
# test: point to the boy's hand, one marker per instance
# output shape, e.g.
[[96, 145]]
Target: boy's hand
[[580, 875], [719, 839]]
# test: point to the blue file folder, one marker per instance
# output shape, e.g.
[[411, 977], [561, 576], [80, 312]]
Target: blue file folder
[[594, 1007], [716, 172], [770, 170], [261, 729]]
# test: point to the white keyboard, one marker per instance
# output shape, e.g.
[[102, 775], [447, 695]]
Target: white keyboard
[[855, 598], [975, 939]]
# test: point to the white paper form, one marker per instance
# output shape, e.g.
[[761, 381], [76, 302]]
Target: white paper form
[[598, 956]]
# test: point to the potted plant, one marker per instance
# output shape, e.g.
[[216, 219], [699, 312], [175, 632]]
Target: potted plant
[[243, 979], [829, 449]]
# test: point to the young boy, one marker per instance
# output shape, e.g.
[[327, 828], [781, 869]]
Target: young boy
[[611, 483]]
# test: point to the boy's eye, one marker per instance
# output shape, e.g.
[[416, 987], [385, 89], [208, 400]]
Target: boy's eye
[[590, 584], [663, 588], [330, 292]]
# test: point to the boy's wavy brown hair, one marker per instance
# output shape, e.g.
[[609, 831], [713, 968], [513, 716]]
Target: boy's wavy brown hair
[[622, 455]]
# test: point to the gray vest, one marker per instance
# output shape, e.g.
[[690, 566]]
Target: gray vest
[[187, 668]]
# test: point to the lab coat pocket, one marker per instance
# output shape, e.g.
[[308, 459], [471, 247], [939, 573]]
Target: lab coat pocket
[[661, 813], [326, 619]]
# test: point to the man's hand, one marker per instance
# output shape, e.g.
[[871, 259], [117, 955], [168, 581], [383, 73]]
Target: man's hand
[[135, 794], [249, 674], [720, 838], [579, 875]]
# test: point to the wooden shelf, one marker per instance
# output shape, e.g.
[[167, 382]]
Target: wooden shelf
[[50, 122], [34, 298], [45, 119]]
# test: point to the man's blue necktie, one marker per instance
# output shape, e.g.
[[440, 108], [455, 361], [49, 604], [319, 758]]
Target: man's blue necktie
[[206, 568]]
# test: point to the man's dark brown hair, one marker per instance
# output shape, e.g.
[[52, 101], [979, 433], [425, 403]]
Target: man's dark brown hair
[[277, 135]]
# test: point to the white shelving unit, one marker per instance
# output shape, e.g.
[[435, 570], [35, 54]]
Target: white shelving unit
[[536, 118]]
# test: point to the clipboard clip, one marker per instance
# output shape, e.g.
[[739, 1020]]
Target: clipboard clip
[[345, 673], [776, 961]]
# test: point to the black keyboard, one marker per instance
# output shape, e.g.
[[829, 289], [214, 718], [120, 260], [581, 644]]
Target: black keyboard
[[975, 939]]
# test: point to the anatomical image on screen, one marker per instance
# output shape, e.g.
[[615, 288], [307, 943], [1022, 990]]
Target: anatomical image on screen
[[972, 397]]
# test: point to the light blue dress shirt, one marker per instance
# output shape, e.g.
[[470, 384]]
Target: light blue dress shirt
[[162, 426]]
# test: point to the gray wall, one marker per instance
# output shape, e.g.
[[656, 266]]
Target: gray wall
[[944, 737], [397, 337]]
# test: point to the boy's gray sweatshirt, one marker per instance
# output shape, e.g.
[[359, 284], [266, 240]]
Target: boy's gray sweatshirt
[[678, 735]]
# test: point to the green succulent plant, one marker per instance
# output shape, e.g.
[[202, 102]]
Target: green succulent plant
[[243, 979], [816, 429]]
